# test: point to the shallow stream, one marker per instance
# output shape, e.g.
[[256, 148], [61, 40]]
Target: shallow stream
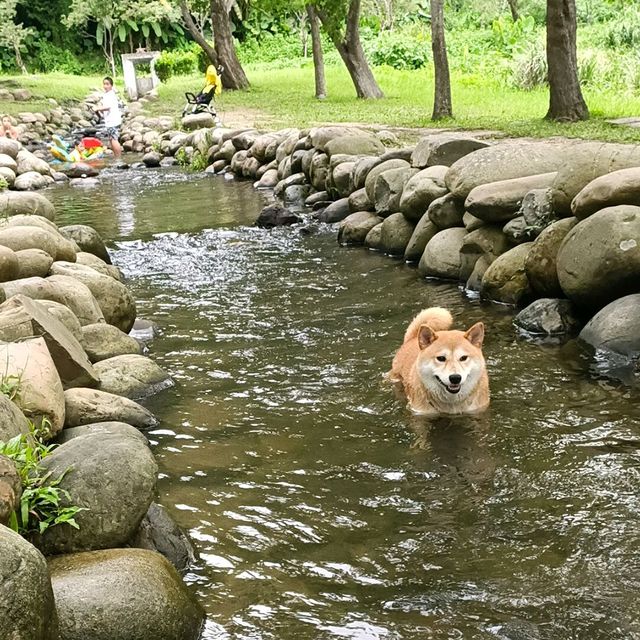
[[320, 506]]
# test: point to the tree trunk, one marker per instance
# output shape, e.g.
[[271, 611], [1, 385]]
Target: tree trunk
[[196, 34], [19, 60], [442, 83], [513, 5], [234, 75], [350, 49], [565, 97], [318, 58]]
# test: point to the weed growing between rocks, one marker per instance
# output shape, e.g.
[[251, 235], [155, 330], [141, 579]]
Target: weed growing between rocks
[[41, 504]]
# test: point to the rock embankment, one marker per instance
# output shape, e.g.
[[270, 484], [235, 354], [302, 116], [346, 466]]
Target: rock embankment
[[65, 315], [513, 221]]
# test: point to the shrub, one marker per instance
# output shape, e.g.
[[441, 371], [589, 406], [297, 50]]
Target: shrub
[[3, 184], [530, 69], [511, 37], [624, 34], [399, 51], [175, 63]]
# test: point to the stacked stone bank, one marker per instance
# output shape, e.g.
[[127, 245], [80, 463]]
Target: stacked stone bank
[[556, 223], [65, 318]]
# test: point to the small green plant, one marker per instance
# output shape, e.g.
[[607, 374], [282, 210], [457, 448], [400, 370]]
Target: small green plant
[[41, 502], [3, 184], [182, 157], [10, 386], [198, 162]]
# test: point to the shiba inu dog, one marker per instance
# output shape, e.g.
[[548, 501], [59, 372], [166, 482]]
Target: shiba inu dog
[[442, 371]]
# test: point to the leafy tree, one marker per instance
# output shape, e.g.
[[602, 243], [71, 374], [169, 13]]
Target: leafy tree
[[12, 35]]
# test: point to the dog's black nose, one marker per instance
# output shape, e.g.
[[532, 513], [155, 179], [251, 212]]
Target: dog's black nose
[[454, 378]]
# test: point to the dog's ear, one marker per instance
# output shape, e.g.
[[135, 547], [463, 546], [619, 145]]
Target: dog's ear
[[426, 335], [475, 335]]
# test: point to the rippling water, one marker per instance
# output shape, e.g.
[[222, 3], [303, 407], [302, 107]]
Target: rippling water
[[320, 506]]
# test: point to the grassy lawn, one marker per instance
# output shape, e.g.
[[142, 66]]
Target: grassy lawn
[[284, 97]]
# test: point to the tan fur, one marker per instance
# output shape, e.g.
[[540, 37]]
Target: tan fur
[[426, 381]]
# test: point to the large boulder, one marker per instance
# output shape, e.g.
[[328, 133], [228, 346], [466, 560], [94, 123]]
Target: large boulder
[[102, 341], [123, 594], [86, 406], [99, 265], [319, 137], [30, 181], [9, 265], [421, 190], [15, 203], [372, 241], [64, 315], [8, 162], [10, 489], [540, 265], [599, 259], [28, 162], [441, 257], [446, 212], [365, 144], [487, 241], [69, 357], [501, 200], [33, 263], [587, 162], [376, 171], [537, 210], [618, 187], [443, 149], [616, 327], [10, 147], [112, 478], [388, 190], [275, 215], [132, 376], [41, 396], [505, 280], [506, 161], [18, 238], [27, 608], [549, 317], [195, 121], [423, 232], [12, 420], [335, 212], [359, 201], [395, 234], [108, 428], [355, 227], [88, 239], [115, 300]]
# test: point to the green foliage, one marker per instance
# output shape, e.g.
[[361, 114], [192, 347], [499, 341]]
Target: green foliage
[[176, 63], [10, 385], [42, 501], [624, 34], [3, 185], [399, 51], [511, 37]]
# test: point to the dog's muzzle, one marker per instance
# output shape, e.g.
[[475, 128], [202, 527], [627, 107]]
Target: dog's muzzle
[[453, 386]]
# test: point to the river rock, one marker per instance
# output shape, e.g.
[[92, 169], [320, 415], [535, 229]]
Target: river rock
[[9, 265], [421, 190], [8, 176], [122, 594], [80, 170], [88, 239], [41, 396], [500, 201], [10, 147], [537, 210], [71, 361], [31, 180], [29, 163], [319, 137], [335, 212], [388, 190], [376, 171], [548, 316], [359, 201], [115, 300], [8, 162], [132, 376], [506, 161], [152, 159], [599, 259], [14, 203], [423, 232], [86, 406], [588, 161], [506, 280], [446, 212], [362, 168], [488, 241], [342, 179], [158, 532], [443, 149], [540, 264], [618, 187], [275, 215], [110, 428], [319, 170], [268, 180], [395, 234], [355, 227], [18, 238], [10, 489], [125, 471], [616, 327], [102, 341], [12, 421], [441, 257], [33, 263], [89, 260], [27, 608], [358, 145], [373, 238], [517, 231], [195, 121]]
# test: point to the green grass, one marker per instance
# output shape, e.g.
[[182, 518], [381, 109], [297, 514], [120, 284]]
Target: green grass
[[284, 97]]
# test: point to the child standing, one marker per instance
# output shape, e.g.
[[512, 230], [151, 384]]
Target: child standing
[[112, 115]]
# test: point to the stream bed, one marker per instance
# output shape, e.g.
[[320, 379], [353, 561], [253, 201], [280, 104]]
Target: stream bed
[[320, 507]]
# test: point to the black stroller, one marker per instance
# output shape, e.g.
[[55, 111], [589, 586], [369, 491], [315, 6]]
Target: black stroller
[[204, 102]]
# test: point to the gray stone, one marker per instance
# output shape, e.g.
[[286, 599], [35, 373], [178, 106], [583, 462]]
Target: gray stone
[[377, 170], [112, 428], [355, 227], [374, 237], [517, 230], [443, 149], [12, 420], [506, 280], [33, 263], [336, 211], [388, 190], [10, 489], [27, 608], [599, 259], [424, 231], [152, 159], [9, 265], [421, 190], [198, 121], [537, 210], [86, 406], [362, 145], [102, 341], [15, 203], [88, 239], [31, 180], [611, 189], [446, 212], [487, 241], [395, 235], [132, 376], [548, 316], [359, 201], [441, 257]]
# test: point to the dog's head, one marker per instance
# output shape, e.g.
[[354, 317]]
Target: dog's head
[[450, 363]]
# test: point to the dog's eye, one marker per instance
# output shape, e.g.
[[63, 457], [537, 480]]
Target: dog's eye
[[441, 358], [463, 358]]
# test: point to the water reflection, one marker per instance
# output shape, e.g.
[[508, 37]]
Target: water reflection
[[320, 506]]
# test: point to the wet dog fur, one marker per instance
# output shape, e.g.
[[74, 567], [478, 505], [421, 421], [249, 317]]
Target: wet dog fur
[[442, 371]]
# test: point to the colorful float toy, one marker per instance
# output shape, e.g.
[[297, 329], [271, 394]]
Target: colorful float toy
[[87, 149]]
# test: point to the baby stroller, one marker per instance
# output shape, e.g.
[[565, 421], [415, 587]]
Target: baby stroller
[[204, 102]]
